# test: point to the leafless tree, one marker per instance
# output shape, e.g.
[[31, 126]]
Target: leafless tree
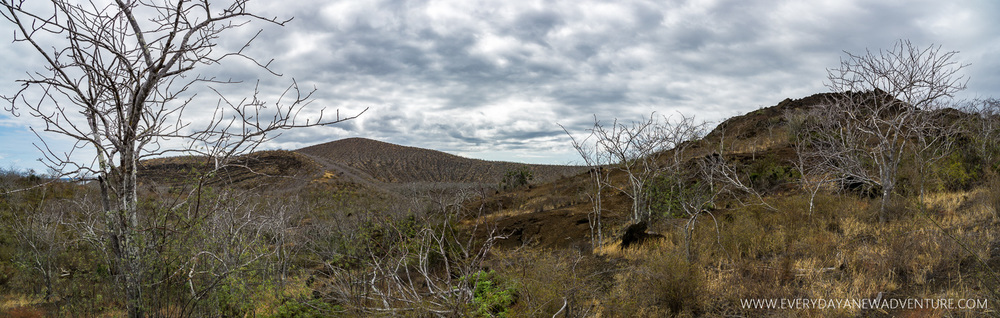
[[985, 127], [655, 150], [596, 161], [814, 171], [933, 139], [38, 233], [872, 118], [428, 269], [696, 198], [634, 149], [713, 177], [727, 177], [637, 149], [117, 79], [680, 135], [240, 246]]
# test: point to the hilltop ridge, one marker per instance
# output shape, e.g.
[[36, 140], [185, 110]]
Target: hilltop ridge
[[391, 163]]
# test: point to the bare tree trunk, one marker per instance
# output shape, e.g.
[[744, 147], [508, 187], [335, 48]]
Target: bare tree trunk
[[128, 225], [594, 158], [884, 204], [124, 66], [876, 110]]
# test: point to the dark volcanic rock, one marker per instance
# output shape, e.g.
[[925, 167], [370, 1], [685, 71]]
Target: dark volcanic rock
[[636, 234]]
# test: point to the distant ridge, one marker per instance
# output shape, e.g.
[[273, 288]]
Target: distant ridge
[[261, 169], [391, 163]]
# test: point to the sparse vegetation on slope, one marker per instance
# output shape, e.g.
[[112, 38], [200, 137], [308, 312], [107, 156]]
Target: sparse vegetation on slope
[[391, 163], [743, 216], [527, 251]]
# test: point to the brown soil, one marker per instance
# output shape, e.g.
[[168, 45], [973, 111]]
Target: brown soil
[[560, 228]]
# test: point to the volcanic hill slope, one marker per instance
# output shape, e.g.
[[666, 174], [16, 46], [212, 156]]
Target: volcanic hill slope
[[543, 231], [552, 212], [390, 163], [270, 169], [555, 215], [358, 161]]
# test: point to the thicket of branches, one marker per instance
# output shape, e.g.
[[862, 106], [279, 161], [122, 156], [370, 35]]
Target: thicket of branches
[[118, 78], [886, 107]]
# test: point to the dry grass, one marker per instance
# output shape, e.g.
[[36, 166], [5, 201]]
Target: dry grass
[[493, 217], [760, 144], [838, 252], [545, 280], [613, 249], [860, 258], [14, 300], [294, 288]]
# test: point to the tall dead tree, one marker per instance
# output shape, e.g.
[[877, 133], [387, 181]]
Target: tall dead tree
[[634, 149], [638, 148], [117, 78], [814, 170], [874, 114], [596, 160], [984, 126]]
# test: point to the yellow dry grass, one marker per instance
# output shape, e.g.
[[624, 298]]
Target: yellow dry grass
[[840, 252], [949, 201], [614, 249], [493, 217], [14, 300], [294, 288]]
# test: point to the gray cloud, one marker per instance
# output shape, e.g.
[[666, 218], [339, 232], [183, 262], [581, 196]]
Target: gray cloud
[[491, 79]]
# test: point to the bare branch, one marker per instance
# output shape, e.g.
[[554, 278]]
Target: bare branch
[[879, 109]]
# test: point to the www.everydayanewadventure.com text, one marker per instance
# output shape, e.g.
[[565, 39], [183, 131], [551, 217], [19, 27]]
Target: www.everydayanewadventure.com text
[[864, 303]]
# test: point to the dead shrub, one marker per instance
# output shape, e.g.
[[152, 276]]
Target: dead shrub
[[662, 283], [914, 255], [993, 188], [24, 312], [551, 281]]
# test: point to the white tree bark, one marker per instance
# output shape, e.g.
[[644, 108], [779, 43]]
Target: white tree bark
[[124, 67]]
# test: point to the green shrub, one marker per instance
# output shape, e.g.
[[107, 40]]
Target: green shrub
[[516, 178], [305, 309], [489, 298], [665, 195], [768, 174], [958, 171]]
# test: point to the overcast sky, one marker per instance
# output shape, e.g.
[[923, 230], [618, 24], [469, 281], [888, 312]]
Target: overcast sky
[[491, 79]]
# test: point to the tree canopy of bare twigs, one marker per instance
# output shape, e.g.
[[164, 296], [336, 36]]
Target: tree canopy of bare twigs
[[118, 77], [637, 149], [985, 128], [879, 111], [596, 160]]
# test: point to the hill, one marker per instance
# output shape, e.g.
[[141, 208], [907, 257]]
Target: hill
[[362, 216], [278, 169], [353, 161], [751, 125], [390, 163], [758, 144]]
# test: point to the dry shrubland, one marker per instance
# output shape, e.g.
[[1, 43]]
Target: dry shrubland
[[337, 248]]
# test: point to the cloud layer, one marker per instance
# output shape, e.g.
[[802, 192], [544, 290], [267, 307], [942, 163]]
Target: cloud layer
[[491, 79]]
